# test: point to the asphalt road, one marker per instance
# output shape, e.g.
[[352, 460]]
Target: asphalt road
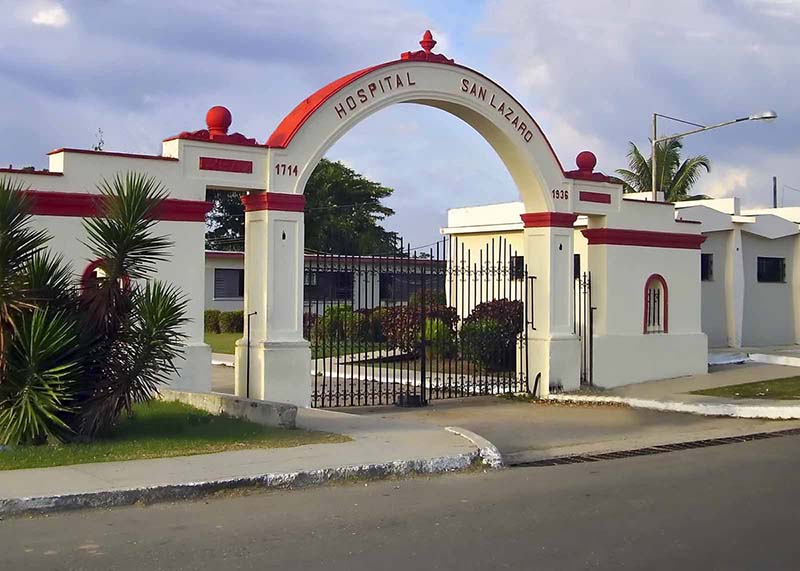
[[727, 507]]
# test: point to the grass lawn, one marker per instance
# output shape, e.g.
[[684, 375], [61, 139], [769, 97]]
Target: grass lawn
[[226, 343], [779, 389], [164, 429], [223, 342]]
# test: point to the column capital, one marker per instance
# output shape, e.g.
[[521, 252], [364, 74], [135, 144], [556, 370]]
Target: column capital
[[255, 201], [548, 219]]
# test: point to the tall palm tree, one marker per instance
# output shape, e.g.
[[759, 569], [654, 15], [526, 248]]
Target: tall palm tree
[[673, 177]]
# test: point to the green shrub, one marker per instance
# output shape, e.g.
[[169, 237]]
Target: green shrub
[[373, 328], [401, 324], [432, 298], [486, 342], [440, 340], [510, 314], [231, 322], [335, 324], [211, 320]]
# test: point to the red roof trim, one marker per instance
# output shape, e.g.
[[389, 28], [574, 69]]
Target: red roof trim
[[85, 205], [548, 219], [255, 201], [644, 238], [659, 202], [218, 254], [598, 197], [203, 136], [588, 176], [225, 165], [292, 123], [113, 154], [28, 171], [288, 128]]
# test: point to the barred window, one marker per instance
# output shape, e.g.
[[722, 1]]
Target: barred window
[[771, 270], [656, 305]]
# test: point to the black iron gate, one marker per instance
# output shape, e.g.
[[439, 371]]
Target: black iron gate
[[584, 324], [403, 329]]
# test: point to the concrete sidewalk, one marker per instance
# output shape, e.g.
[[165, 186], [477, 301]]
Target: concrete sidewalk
[[673, 395], [378, 449], [533, 431]]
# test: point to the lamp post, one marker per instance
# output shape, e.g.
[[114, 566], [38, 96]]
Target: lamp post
[[763, 116]]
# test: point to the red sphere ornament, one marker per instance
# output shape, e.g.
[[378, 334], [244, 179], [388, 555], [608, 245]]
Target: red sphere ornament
[[586, 161], [218, 119]]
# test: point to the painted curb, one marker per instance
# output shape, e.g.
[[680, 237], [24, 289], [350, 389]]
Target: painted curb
[[487, 451], [194, 490], [785, 412]]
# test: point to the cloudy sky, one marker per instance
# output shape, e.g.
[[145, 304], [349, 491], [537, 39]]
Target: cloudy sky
[[591, 72]]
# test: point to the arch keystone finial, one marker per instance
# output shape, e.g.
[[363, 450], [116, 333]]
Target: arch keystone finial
[[425, 54], [427, 42]]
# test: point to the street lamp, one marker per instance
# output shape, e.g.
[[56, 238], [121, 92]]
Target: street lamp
[[762, 116]]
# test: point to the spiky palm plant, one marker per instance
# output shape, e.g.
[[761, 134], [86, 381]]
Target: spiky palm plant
[[673, 177], [19, 244], [42, 370], [132, 329]]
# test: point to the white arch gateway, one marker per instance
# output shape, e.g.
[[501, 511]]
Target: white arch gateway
[[279, 358]]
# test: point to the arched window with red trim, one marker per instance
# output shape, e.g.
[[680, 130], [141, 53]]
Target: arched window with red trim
[[656, 305]]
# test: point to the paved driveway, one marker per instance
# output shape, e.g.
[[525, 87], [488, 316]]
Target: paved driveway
[[526, 431]]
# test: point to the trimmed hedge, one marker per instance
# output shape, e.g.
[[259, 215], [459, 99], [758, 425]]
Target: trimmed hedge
[[231, 322], [211, 320]]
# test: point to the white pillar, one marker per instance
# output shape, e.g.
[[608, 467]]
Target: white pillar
[[279, 357], [734, 287], [553, 347]]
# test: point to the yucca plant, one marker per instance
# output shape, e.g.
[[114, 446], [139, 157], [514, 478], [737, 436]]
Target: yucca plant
[[42, 371], [19, 243], [142, 357], [132, 329]]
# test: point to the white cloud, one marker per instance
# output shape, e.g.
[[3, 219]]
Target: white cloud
[[53, 16]]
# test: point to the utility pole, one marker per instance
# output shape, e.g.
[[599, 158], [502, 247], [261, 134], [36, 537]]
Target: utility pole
[[774, 192]]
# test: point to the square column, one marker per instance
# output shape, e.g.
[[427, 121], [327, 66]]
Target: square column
[[553, 346], [273, 361]]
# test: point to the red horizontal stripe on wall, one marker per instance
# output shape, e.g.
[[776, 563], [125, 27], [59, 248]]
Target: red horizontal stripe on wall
[[599, 197], [255, 201], [646, 238], [226, 165], [548, 219], [84, 205]]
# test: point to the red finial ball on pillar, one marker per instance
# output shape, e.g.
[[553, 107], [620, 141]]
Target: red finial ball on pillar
[[586, 161], [427, 41], [218, 119]]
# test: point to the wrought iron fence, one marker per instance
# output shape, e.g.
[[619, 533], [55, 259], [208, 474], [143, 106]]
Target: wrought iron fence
[[444, 322], [584, 324]]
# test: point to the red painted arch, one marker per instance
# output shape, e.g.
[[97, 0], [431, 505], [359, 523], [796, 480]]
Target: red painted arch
[[292, 123]]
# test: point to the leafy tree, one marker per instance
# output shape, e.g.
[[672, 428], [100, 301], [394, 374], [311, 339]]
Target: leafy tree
[[343, 214], [673, 177], [225, 222]]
